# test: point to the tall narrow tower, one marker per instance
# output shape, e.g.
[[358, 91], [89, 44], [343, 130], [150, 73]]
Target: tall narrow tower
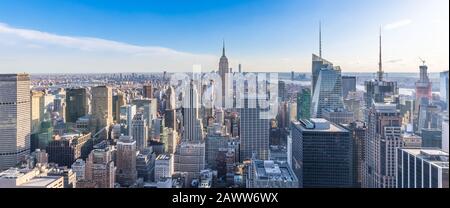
[[320, 39], [423, 87], [380, 62], [223, 70], [193, 130]]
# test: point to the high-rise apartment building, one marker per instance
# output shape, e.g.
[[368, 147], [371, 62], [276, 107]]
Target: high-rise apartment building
[[126, 173], [100, 170], [384, 136]]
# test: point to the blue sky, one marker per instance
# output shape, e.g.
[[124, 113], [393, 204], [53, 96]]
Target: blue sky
[[263, 35]]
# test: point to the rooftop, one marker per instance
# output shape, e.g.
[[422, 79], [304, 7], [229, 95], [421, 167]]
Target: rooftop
[[318, 125], [273, 171], [42, 181], [434, 156], [163, 157], [13, 173]]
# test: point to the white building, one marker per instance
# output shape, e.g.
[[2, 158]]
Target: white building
[[29, 178], [163, 166]]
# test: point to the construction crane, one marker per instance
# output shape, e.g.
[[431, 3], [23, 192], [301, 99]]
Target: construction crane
[[423, 61]]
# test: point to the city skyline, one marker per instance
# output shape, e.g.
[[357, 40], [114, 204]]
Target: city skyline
[[161, 113], [153, 36]]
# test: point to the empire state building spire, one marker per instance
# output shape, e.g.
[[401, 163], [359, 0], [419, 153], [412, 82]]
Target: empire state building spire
[[223, 49]]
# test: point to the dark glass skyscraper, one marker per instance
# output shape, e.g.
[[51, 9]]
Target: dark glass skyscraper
[[76, 104], [322, 154], [348, 85]]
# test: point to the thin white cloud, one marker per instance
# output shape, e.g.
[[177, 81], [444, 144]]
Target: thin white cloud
[[37, 50], [84, 43], [398, 24]]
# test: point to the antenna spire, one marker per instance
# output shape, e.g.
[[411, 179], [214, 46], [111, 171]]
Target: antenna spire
[[380, 62], [320, 39], [223, 49]]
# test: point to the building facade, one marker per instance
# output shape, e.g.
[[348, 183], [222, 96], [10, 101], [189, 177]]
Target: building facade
[[421, 168], [15, 122]]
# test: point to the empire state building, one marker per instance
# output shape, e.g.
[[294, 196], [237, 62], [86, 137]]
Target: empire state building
[[223, 69]]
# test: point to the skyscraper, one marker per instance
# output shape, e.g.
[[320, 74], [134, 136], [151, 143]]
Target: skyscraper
[[76, 104], [254, 131], [127, 113], [170, 117], [65, 150], [304, 104], [223, 70], [444, 88], [100, 170], [423, 86], [126, 161], [383, 138], [322, 154], [432, 138], [379, 90], [359, 135], [445, 135], [282, 91], [148, 91], [140, 131], [348, 85], [15, 122], [101, 107], [37, 110], [118, 101], [163, 166], [193, 130], [421, 168], [328, 90], [190, 159]]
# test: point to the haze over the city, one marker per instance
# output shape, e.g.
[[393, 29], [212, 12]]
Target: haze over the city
[[50, 36]]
